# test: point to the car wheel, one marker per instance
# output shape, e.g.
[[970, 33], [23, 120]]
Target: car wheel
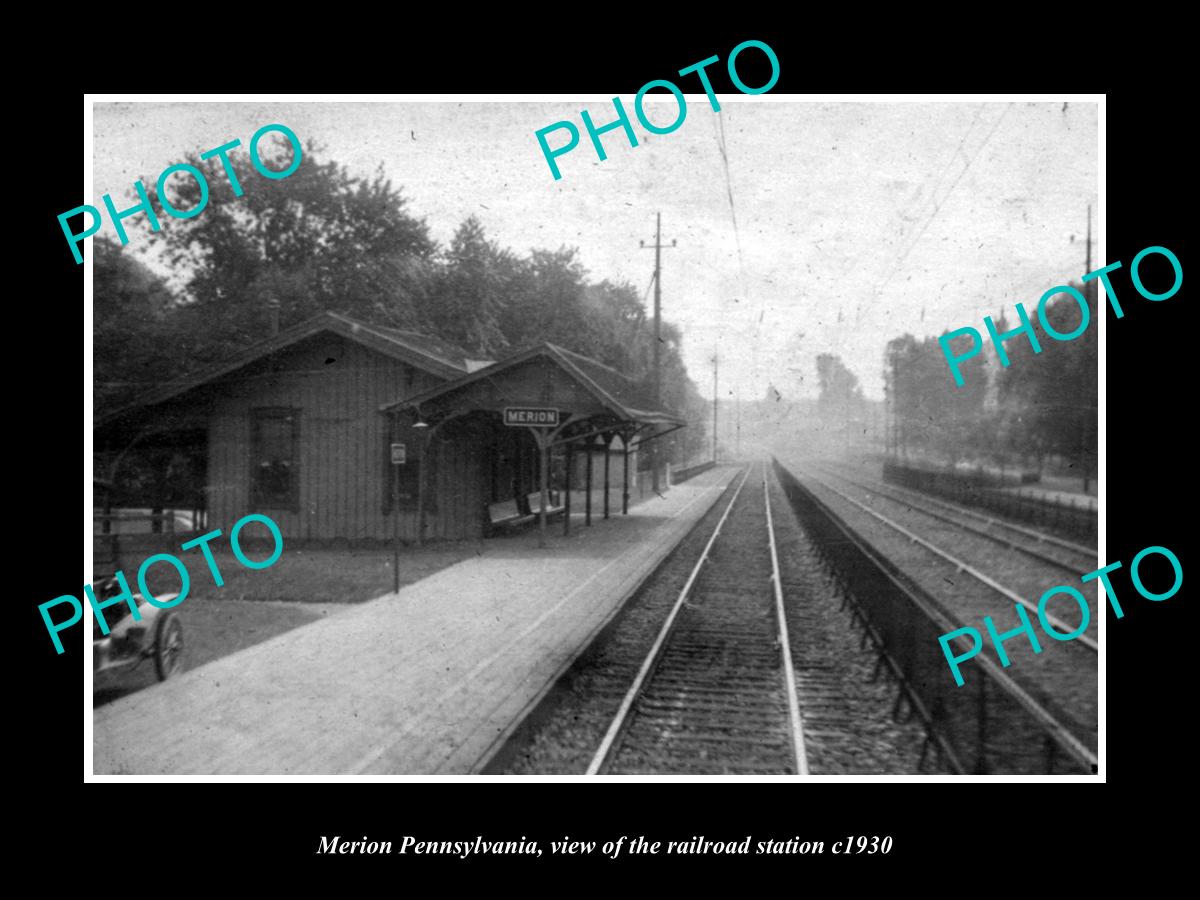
[[168, 646]]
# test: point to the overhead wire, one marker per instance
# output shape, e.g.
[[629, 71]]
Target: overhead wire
[[927, 198], [940, 205], [649, 284], [719, 127], [723, 149], [932, 195]]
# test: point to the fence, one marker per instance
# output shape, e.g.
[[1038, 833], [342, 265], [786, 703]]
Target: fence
[[168, 521], [976, 490], [115, 534], [989, 725]]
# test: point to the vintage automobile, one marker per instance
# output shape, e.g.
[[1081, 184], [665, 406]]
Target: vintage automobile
[[158, 635]]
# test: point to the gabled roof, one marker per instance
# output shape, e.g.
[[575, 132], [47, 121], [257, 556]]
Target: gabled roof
[[619, 394], [432, 347], [428, 354]]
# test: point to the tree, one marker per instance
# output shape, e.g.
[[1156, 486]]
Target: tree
[[550, 299], [1045, 402], [839, 389], [840, 400], [616, 324], [545, 302], [469, 292], [1052, 395], [930, 413], [903, 356], [321, 239], [130, 341], [959, 424], [316, 240]]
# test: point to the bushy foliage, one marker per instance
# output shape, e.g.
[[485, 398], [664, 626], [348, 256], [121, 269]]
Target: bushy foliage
[[323, 239], [1040, 404]]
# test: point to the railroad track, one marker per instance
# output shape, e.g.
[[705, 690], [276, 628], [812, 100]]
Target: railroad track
[[1038, 717], [1067, 556], [980, 577], [717, 692], [711, 691]]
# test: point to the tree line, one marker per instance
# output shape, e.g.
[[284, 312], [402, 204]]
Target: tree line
[[1040, 408], [325, 239]]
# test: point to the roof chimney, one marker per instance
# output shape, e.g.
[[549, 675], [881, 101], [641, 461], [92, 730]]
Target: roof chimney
[[273, 314]]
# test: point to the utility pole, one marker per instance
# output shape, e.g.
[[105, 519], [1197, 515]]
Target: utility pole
[[1083, 460], [887, 414], [739, 423], [1088, 267], [1094, 291], [899, 427], [658, 246], [714, 406]]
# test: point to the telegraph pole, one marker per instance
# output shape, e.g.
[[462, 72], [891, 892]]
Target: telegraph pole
[[714, 406], [1095, 291], [1083, 460], [1088, 267], [739, 423], [658, 246]]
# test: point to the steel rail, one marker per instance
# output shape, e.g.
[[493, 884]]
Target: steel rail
[[936, 612], [959, 564], [921, 508], [618, 722], [1039, 536], [785, 644]]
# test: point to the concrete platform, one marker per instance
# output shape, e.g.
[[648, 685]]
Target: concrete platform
[[426, 681]]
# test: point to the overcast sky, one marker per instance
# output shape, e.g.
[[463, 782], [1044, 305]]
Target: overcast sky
[[857, 222]]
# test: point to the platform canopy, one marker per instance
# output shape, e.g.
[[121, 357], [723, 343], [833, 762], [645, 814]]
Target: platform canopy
[[559, 397], [590, 398]]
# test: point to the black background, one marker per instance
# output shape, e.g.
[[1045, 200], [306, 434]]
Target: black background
[[955, 839]]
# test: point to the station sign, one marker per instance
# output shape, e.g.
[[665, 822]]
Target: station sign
[[531, 415]]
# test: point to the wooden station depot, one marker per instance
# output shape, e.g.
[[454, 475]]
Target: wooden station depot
[[346, 432]]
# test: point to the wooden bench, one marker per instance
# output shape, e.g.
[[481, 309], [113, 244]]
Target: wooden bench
[[507, 514], [503, 512], [554, 498]]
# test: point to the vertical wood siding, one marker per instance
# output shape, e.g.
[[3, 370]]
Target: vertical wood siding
[[342, 439]]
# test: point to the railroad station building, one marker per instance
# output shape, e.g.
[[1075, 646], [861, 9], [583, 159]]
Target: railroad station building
[[349, 433]]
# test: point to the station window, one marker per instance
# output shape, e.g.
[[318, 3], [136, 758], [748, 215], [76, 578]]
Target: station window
[[274, 445]]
